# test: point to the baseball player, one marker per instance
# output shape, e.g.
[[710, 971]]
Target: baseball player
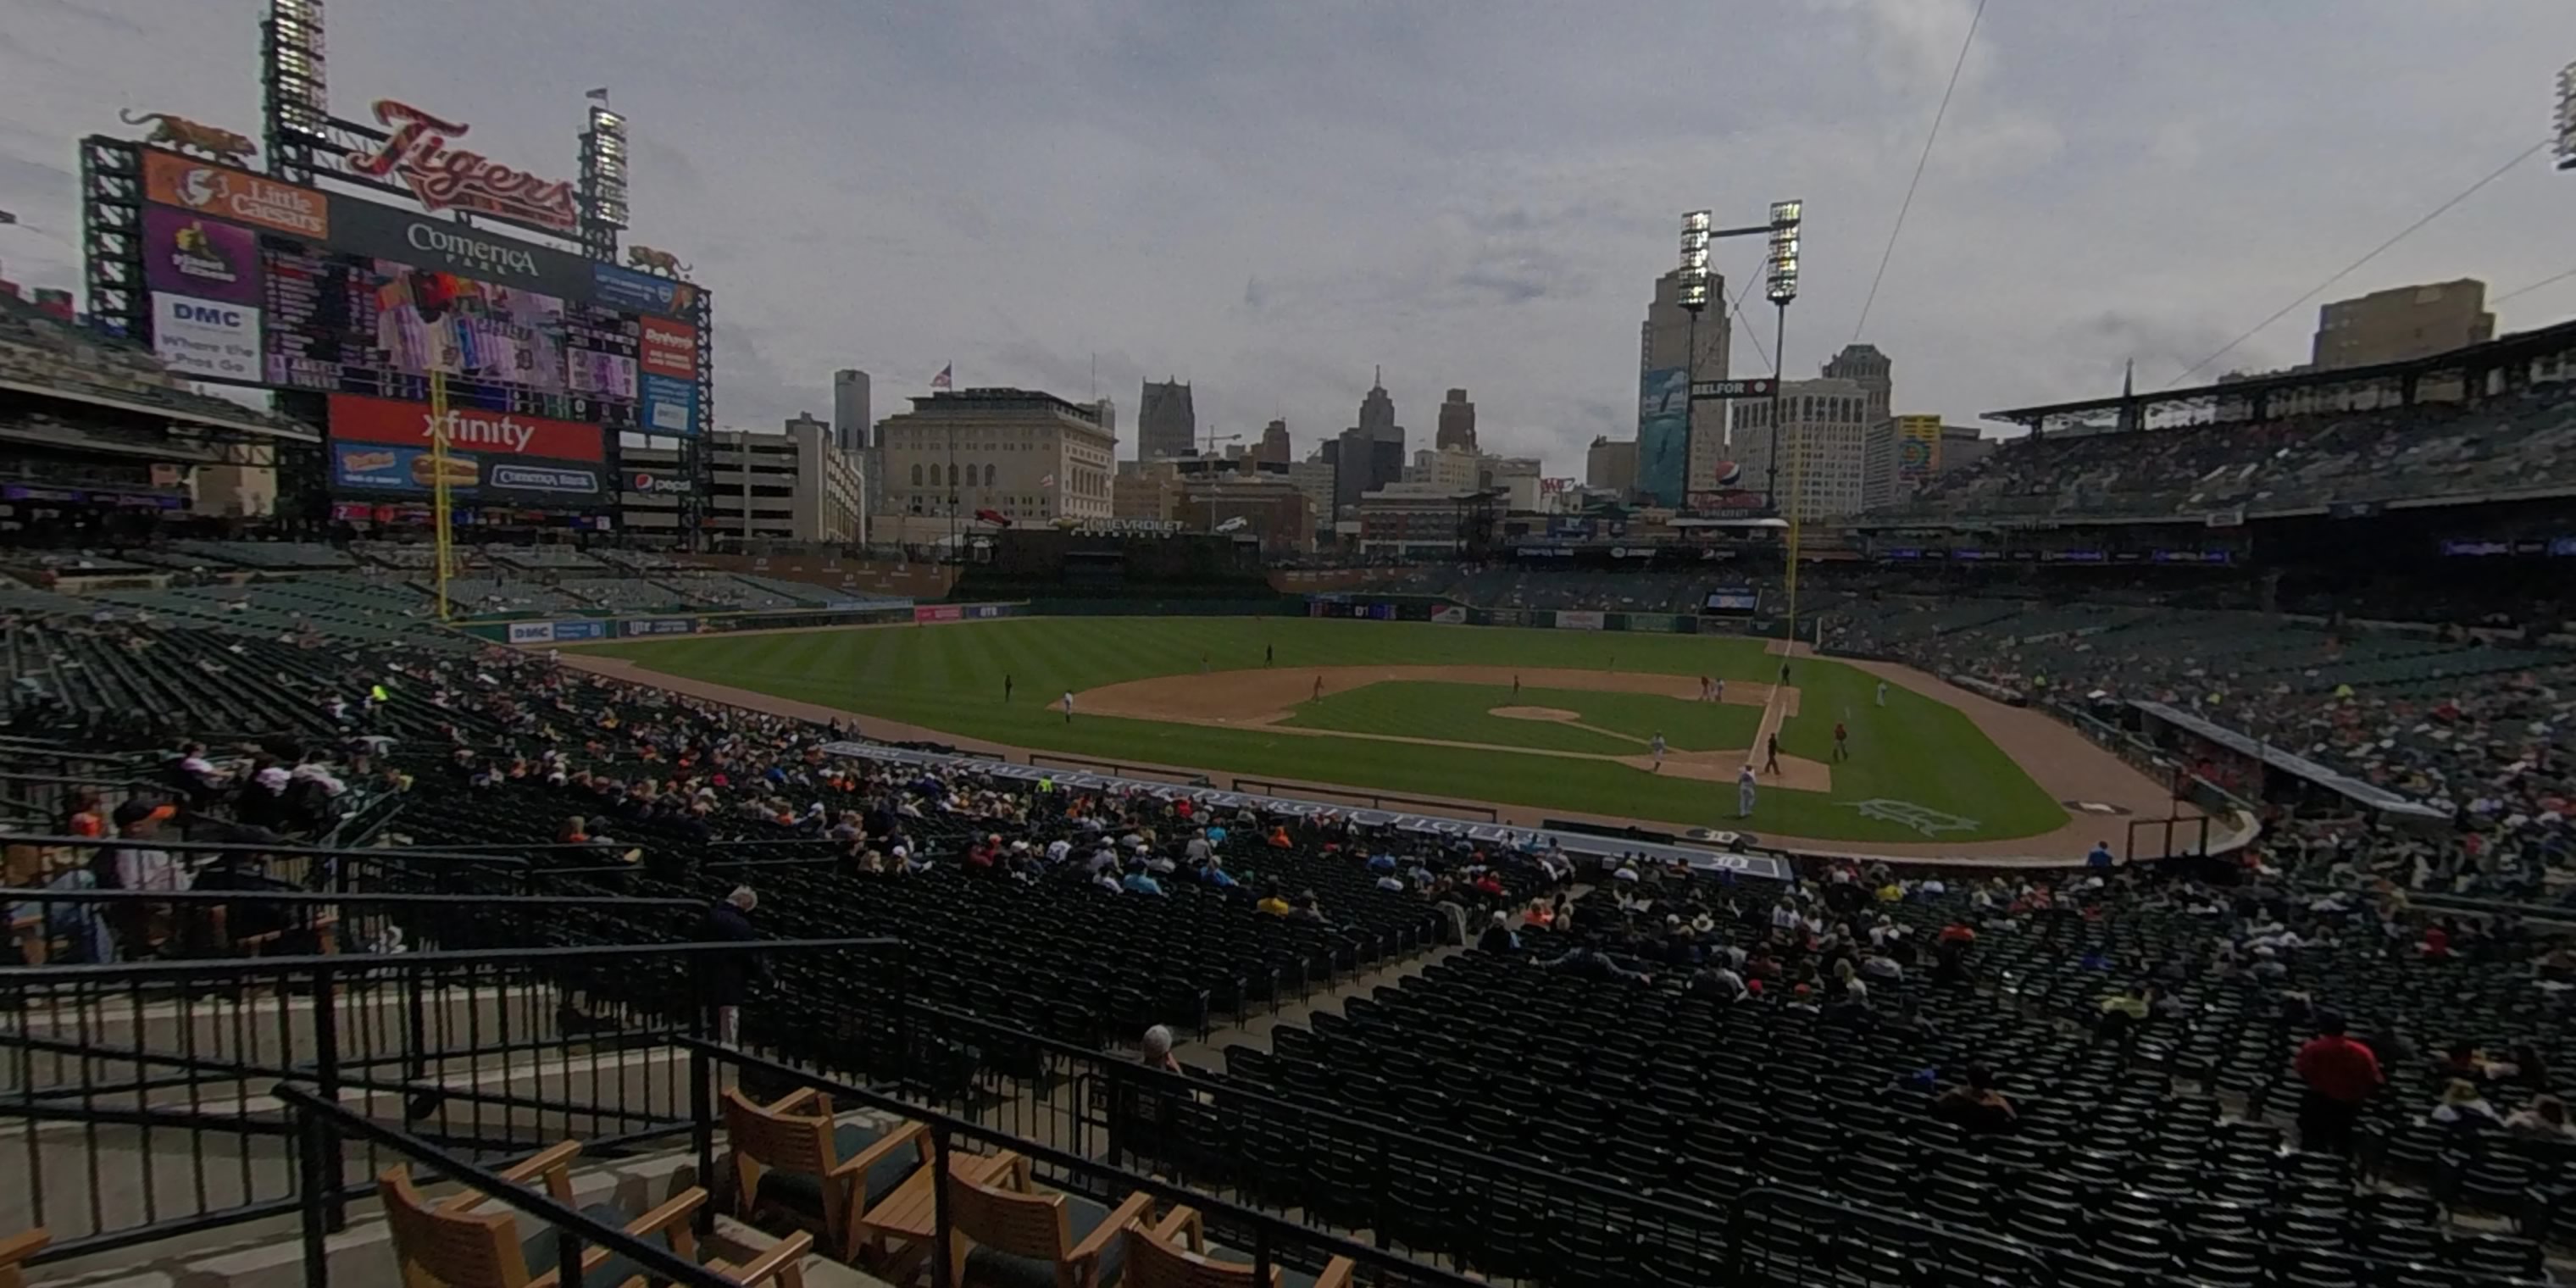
[[1882, 693], [1744, 785], [1657, 747], [1068, 706]]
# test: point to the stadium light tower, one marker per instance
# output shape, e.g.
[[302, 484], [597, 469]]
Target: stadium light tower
[[1694, 297], [1781, 269], [2567, 117]]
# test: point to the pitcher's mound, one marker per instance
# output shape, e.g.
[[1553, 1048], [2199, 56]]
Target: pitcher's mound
[[1559, 714]]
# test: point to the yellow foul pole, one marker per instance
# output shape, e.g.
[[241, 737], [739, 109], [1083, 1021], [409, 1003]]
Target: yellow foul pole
[[439, 514]]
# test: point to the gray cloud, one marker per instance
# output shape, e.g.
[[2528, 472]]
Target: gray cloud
[[1270, 201]]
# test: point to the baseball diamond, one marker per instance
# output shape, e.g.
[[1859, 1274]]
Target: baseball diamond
[[1536, 723]]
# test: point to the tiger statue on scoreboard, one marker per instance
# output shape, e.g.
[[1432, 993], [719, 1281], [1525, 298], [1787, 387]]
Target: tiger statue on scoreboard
[[656, 261], [179, 134]]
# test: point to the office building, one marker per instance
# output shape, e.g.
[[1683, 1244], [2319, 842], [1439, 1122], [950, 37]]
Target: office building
[[1313, 477], [1516, 477], [1904, 453], [1415, 520], [1259, 500], [1152, 491], [1446, 467], [797, 485], [2402, 323], [1370, 454], [1167, 424], [1680, 444], [1023, 454], [1457, 424], [1824, 446], [1610, 465], [850, 421], [1961, 447], [1273, 446]]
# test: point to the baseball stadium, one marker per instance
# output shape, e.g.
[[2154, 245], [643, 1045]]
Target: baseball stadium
[[472, 817]]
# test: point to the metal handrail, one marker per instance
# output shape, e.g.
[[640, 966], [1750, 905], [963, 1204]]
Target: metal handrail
[[943, 1126], [316, 1160]]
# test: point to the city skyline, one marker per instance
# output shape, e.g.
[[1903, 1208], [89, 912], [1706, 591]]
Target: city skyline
[[1266, 203]]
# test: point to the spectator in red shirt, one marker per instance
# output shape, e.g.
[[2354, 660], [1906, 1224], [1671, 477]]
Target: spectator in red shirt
[[2341, 1076]]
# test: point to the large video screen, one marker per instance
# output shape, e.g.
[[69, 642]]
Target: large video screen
[[259, 282], [357, 324]]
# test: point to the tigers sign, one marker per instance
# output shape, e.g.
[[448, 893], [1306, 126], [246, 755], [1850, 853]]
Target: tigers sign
[[448, 178]]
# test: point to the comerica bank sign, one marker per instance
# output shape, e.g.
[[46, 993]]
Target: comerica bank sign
[[386, 232]]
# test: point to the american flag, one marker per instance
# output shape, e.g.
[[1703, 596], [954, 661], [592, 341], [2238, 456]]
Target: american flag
[[1048, 481], [944, 380]]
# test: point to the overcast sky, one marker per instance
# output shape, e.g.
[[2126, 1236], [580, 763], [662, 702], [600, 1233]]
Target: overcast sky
[[1268, 200]]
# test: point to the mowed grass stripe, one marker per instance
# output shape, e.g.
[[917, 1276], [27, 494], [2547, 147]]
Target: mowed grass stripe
[[949, 677]]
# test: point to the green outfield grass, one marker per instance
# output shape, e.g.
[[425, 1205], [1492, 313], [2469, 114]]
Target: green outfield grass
[[950, 677]]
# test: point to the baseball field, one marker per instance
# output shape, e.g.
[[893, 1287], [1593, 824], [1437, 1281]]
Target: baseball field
[[1553, 720]]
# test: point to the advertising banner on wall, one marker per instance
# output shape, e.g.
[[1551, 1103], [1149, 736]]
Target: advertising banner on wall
[[359, 419], [1663, 434], [1657, 622], [509, 480], [1918, 449], [532, 632], [1569, 620], [186, 254], [668, 405], [624, 288], [1449, 615], [937, 613], [668, 349], [659, 626], [202, 337], [204, 188]]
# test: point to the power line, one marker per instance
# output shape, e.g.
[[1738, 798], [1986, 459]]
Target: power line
[[2348, 269], [1736, 307], [1919, 163], [2550, 280]]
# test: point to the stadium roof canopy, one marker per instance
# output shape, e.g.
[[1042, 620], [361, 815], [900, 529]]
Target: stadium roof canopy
[[2254, 393]]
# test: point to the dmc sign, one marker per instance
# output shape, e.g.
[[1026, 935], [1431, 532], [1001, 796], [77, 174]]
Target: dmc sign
[[206, 313]]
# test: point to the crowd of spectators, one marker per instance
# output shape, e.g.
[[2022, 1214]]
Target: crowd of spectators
[[2509, 444]]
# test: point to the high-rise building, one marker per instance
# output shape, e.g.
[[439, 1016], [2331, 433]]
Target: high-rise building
[[1314, 477], [1371, 453], [1457, 423], [1961, 447], [2402, 323], [1864, 365], [1447, 467], [1107, 410], [1611, 464], [1824, 446], [1680, 444], [850, 423], [1904, 454], [1166, 422], [1273, 446]]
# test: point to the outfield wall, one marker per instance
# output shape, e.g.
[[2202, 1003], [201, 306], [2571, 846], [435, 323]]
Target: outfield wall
[[1432, 608]]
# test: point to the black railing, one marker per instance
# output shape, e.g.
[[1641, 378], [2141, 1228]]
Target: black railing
[[320, 1125], [143, 1087], [1260, 1238]]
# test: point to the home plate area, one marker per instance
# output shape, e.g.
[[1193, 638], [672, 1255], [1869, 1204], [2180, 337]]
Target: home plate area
[[1267, 697]]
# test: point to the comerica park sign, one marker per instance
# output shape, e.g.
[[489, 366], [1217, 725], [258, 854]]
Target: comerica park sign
[[1755, 387]]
